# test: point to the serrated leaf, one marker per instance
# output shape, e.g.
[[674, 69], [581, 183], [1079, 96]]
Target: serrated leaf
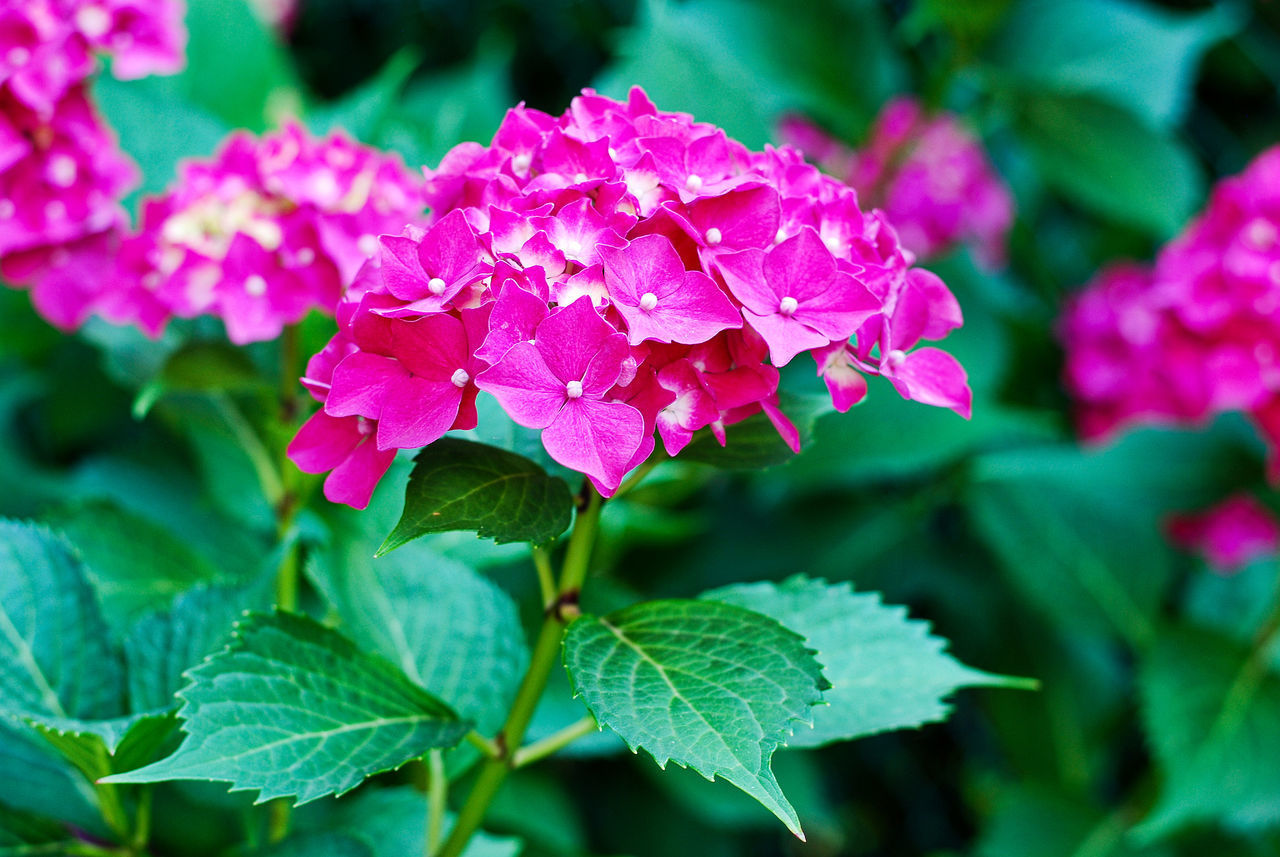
[[1108, 160], [462, 485], [1087, 46], [392, 823], [134, 565], [886, 671], [292, 708], [452, 631], [754, 443], [201, 367], [162, 645], [99, 748], [1214, 724], [55, 657], [711, 686]]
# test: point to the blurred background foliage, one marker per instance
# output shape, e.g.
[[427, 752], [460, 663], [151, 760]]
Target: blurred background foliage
[[1157, 729]]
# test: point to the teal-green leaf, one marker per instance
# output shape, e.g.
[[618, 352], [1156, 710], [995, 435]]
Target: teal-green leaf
[[99, 748], [462, 485], [20, 831], [450, 630], [754, 443], [1213, 722], [710, 686], [886, 671], [48, 787], [1107, 159], [292, 708], [1139, 56], [201, 367], [55, 654]]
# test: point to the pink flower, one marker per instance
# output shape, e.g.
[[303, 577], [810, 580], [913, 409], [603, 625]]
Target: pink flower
[[619, 274], [1230, 535]]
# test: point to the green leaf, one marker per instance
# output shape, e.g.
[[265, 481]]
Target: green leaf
[[161, 646], [99, 748], [135, 566], [886, 671], [20, 830], [1032, 821], [201, 367], [1211, 718], [452, 631], [710, 686], [462, 485], [55, 654], [314, 845], [1087, 47], [292, 708], [1107, 159], [48, 786], [754, 443], [391, 823]]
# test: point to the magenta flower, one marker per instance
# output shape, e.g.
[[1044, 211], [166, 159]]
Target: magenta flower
[[1230, 535], [558, 383], [343, 445]]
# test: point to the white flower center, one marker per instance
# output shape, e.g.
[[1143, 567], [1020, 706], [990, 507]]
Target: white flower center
[[62, 171], [306, 256], [18, 56], [520, 163], [1261, 234], [436, 286], [895, 358], [779, 236], [367, 244], [7, 209], [648, 301], [255, 286], [693, 182], [573, 389], [579, 178], [460, 378], [788, 305], [714, 236], [572, 247]]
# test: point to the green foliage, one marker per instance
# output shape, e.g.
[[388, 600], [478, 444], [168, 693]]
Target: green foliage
[[201, 367], [710, 686], [886, 671], [1210, 709], [291, 708], [463, 485], [754, 443]]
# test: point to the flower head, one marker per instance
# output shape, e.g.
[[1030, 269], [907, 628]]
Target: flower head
[[1230, 535]]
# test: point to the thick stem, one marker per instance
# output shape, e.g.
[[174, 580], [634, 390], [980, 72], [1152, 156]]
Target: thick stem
[[437, 798], [546, 653]]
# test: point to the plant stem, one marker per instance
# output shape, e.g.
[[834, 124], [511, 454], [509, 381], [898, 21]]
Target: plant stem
[[278, 812], [142, 821], [546, 577], [546, 652], [488, 748], [437, 798], [554, 742]]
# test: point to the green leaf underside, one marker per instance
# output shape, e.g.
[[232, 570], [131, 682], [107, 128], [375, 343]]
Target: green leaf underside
[[462, 485], [1215, 733], [451, 630], [99, 748], [710, 686], [291, 708], [55, 658], [886, 671]]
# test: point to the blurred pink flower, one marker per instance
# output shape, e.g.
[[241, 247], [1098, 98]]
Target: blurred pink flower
[[1230, 535]]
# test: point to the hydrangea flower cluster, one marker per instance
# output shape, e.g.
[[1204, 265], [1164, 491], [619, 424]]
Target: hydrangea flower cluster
[[611, 274], [1230, 535], [61, 173], [1194, 335], [928, 173], [261, 234]]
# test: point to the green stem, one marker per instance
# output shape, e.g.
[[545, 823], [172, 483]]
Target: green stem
[[437, 798], [546, 577], [278, 814], [142, 821], [487, 748], [287, 580], [553, 743], [546, 653], [640, 473]]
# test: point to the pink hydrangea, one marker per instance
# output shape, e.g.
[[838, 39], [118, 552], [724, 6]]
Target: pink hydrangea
[[1195, 335], [928, 173], [1230, 535], [266, 231], [615, 277]]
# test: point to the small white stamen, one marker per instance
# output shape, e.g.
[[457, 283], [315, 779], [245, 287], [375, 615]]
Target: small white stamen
[[648, 301], [306, 256], [93, 21], [151, 280], [895, 358], [1261, 234], [255, 286], [62, 171], [714, 236], [693, 182], [832, 242], [436, 286], [779, 236], [460, 378], [788, 305], [572, 247], [367, 244], [7, 209], [520, 163], [579, 178], [573, 389], [18, 56]]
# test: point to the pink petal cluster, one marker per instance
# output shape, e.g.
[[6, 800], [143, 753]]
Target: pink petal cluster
[[267, 230], [1197, 333], [613, 274], [61, 173], [1230, 535], [928, 173]]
